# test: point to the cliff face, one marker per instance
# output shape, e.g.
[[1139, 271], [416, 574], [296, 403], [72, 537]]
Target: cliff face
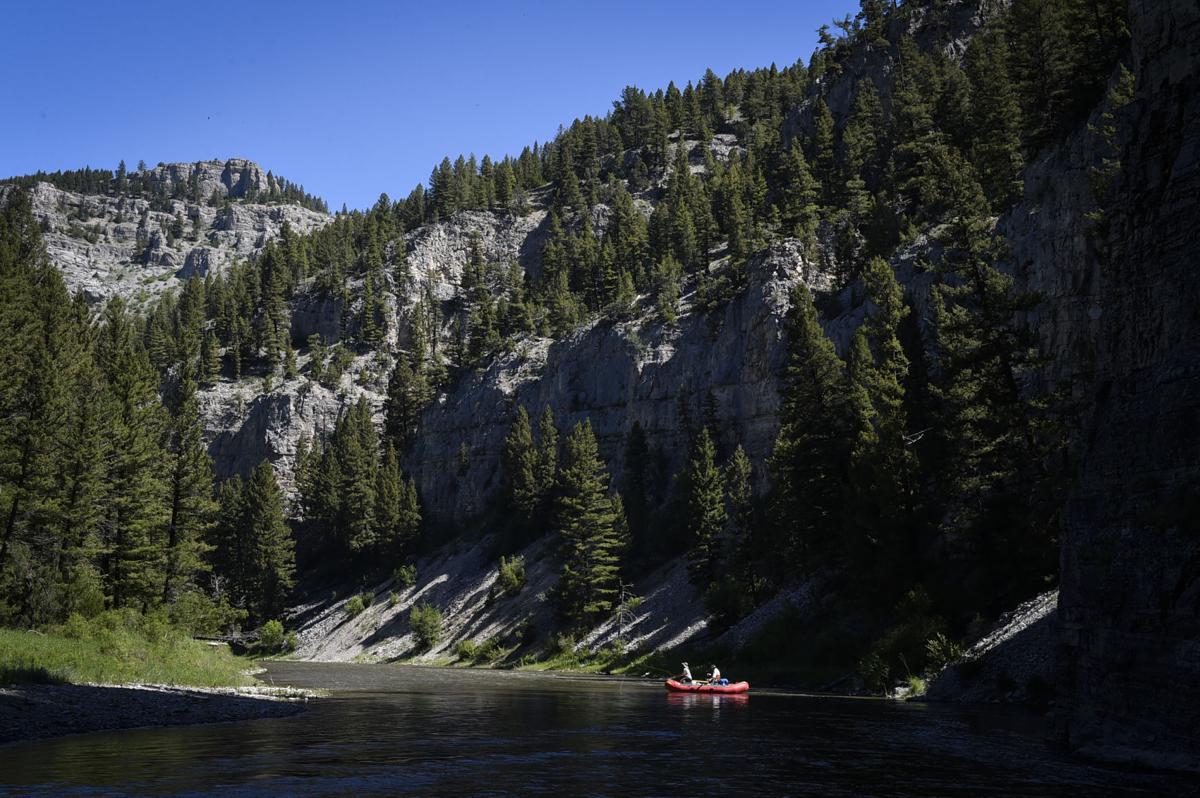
[[128, 246], [1130, 594], [615, 375]]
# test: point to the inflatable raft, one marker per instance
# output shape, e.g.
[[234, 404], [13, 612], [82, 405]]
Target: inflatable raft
[[703, 687]]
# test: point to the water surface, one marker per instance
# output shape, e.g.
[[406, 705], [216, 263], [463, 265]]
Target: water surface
[[402, 730]]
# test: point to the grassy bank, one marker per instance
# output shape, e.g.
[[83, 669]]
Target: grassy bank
[[116, 648]]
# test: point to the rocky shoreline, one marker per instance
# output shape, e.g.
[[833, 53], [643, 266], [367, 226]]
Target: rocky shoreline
[[38, 711]]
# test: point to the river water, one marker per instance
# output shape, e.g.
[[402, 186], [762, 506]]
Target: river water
[[404, 730]]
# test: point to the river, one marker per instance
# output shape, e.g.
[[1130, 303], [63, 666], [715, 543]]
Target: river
[[404, 730]]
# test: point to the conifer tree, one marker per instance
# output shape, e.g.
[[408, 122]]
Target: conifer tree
[[407, 395], [546, 470], [811, 456], [741, 549], [822, 150], [706, 516], [231, 555], [996, 132], [356, 449], [192, 507], [270, 544], [588, 524], [861, 135], [521, 461], [394, 514], [799, 194], [1037, 36], [1000, 444], [668, 280], [134, 525], [210, 357], [79, 474]]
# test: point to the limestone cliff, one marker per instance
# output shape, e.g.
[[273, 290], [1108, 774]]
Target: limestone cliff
[[136, 247], [1129, 605], [618, 374]]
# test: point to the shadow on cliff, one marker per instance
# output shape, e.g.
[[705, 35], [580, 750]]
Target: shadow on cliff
[[1018, 670]]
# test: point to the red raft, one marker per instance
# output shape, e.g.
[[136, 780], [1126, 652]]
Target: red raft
[[703, 687]]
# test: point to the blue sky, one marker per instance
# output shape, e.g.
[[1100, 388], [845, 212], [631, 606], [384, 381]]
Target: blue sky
[[352, 99]]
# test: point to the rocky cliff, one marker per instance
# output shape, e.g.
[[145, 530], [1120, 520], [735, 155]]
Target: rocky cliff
[[138, 245], [1129, 606], [618, 374]]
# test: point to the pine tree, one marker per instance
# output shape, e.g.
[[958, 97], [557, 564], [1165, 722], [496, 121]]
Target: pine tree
[[356, 448], [799, 194], [627, 233], [394, 514], [741, 552], [210, 358], [192, 507], [270, 546], [546, 470], [861, 135], [1036, 34], [811, 456], [231, 556], [996, 132], [407, 394], [79, 475], [822, 153], [706, 516], [1000, 443], [668, 283], [588, 524], [133, 529], [521, 461]]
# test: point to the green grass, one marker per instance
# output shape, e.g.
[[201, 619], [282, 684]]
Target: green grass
[[116, 648]]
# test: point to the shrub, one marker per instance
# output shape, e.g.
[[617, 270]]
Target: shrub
[[393, 599], [426, 623], [405, 576], [356, 605], [903, 647], [491, 650], [941, 651], [270, 637], [874, 673], [291, 642], [466, 650], [198, 614], [564, 646], [511, 575]]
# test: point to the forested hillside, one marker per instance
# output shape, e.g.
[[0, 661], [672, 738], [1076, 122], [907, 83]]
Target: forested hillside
[[916, 431]]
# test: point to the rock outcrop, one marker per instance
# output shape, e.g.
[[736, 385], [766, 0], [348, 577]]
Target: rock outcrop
[[617, 374], [1013, 663], [110, 245], [235, 178], [1130, 593]]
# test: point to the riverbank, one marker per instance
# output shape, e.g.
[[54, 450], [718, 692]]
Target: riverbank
[[37, 711], [125, 670], [116, 648]]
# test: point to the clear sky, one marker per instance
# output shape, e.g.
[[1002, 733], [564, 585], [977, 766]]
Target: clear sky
[[352, 98]]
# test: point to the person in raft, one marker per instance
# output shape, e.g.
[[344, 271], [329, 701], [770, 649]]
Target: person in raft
[[687, 674], [715, 676]]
